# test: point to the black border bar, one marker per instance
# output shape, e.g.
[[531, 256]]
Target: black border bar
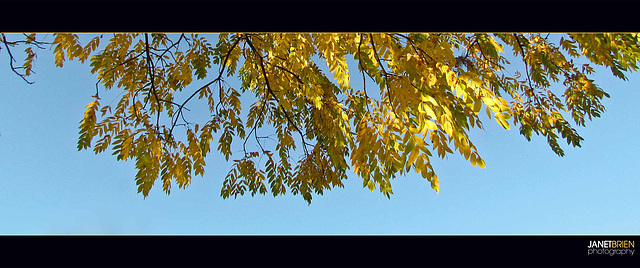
[[308, 251]]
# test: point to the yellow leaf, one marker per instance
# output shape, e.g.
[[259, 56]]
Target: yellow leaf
[[425, 173], [371, 185], [397, 165], [414, 155], [459, 90], [419, 166], [488, 101], [503, 123], [430, 125], [435, 183], [432, 79], [429, 111], [496, 45], [285, 104], [477, 106], [474, 82], [481, 162], [451, 78], [356, 168], [448, 128], [504, 115]]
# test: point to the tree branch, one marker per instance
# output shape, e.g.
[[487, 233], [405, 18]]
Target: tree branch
[[114, 67], [244, 145], [264, 74], [526, 65], [384, 71], [364, 81], [416, 49], [168, 49], [224, 65], [150, 71], [292, 73], [12, 59]]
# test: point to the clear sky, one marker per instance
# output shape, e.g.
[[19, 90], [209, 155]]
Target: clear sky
[[48, 187]]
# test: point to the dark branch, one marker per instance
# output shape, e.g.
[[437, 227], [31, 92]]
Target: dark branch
[[264, 74], [384, 71], [150, 71], [224, 65], [12, 59], [364, 81], [172, 45], [292, 73], [526, 65], [418, 50], [244, 145]]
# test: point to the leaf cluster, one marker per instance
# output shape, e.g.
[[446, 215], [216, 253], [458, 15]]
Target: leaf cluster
[[306, 129]]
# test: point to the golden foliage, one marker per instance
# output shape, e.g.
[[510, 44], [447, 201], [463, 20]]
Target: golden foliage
[[430, 91]]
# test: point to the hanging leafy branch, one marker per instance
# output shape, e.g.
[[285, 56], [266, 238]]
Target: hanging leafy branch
[[432, 90]]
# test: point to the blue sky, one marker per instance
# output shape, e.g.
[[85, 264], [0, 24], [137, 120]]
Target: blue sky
[[48, 187]]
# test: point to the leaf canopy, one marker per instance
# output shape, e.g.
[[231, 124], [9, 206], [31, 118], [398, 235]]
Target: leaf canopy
[[421, 95]]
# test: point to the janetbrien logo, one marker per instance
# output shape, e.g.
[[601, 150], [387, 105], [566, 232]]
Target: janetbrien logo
[[611, 247]]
